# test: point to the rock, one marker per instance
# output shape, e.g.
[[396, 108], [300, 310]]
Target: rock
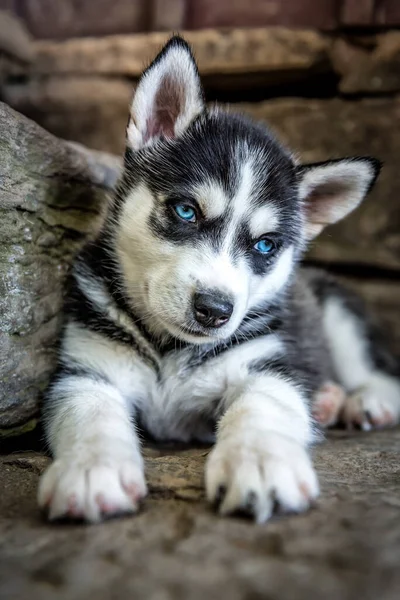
[[230, 51], [368, 69], [52, 196], [176, 547]]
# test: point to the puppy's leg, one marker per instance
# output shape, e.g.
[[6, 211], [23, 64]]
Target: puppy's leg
[[261, 457], [98, 469], [363, 368]]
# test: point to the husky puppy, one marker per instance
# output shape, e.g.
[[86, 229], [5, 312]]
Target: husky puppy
[[190, 318]]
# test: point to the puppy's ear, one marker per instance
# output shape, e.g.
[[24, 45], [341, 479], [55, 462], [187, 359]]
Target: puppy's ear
[[331, 190], [168, 97]]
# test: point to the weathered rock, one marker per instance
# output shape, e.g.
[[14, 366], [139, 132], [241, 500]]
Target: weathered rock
[[368, 69], [52, 195], [217, 52], [346, 547]]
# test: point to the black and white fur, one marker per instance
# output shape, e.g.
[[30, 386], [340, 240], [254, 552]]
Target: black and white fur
[[134, 353]]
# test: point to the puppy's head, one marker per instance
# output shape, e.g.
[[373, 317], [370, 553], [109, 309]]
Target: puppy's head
[[212, 213]]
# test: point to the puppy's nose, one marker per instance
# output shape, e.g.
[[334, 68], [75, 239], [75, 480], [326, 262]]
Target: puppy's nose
[[212, 309]]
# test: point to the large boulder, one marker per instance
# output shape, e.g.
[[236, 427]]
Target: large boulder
[[52, 195]]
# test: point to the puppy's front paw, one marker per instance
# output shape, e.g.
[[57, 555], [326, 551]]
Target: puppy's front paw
[[260, 472], [91, 490]]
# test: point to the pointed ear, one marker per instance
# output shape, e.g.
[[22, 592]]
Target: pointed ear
[[331, 190], [168, 97]]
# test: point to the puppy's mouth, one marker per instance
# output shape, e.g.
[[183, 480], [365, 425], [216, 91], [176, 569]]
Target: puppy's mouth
[[194, 334]]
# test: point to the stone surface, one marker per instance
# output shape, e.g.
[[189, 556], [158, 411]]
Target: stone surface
[[51, 198], [372, 68], [217, 52], [176, 548]]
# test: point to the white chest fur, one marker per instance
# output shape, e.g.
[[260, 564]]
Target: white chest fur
[[184, 401]]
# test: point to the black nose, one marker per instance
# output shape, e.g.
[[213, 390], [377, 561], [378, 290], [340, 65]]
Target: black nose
[[212, 309]]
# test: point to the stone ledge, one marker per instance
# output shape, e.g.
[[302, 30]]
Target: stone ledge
[[364, 64], [218, 52]]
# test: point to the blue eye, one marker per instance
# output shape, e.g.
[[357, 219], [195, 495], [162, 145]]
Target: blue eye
[[185, 212], [264, 246]]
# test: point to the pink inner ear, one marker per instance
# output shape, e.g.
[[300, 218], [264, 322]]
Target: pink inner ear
[[168, 104], [324, 202]]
